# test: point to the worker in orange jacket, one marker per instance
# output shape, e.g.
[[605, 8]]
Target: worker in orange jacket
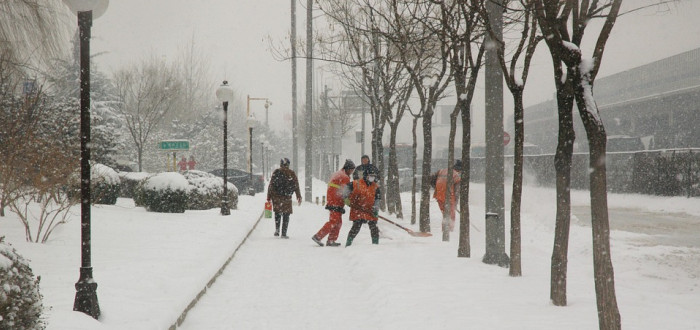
[[335, 194], [439, 182], [364, 205]]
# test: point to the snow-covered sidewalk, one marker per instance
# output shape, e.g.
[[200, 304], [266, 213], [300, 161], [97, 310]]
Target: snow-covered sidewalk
[[149, 267]]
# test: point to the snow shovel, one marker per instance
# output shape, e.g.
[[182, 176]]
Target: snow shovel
[[409, 231]]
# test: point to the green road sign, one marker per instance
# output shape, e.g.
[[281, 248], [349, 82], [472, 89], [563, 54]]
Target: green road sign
[[174, 145]]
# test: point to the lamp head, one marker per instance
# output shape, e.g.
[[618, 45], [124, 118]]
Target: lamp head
[[224, 93], [98, 7], [251, 121]]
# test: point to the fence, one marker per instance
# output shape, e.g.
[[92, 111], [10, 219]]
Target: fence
[[669, 172]]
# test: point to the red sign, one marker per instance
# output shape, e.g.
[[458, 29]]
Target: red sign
[[506, 138]]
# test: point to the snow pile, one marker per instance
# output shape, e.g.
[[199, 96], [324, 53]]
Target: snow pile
[[167, 180], [20, 300], [206, 183], [103, 173]]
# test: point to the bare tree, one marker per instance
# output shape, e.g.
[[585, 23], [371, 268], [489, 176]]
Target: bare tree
[[521, 17], [147, 93], [554, 20], [370, 66], [194, 69], [414, 162], [32, 32], [40, 155], [426, 59]]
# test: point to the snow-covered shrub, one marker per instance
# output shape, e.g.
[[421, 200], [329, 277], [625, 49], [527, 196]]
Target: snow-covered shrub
[[20, 299], [165, 192], [206, 190], [130, 182], [105, 184]]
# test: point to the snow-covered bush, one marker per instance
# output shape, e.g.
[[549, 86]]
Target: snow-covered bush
[[165, 192], [105, 184], [206, 190], [20, 300], [130, 182]]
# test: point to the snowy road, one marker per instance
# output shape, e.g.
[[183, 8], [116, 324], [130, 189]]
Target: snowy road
[[674, 229]]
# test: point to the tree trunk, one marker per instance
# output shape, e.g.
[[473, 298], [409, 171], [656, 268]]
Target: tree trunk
[[139, 156], [450, 167], [414, 169], [464, 249], [424, 222], [393, 191], [562, 165], [515, 202], [608, 313]]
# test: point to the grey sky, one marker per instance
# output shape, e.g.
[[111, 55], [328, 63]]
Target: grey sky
[[233, 34]]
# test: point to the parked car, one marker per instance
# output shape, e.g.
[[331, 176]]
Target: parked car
[[241, 179]]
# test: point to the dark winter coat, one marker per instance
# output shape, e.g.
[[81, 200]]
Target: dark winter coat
[[360, 170], [283, 185]]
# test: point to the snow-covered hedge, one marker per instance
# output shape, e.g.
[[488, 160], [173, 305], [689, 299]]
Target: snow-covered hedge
[[164, 192], [106, 184], [130, 184], [20, 300], [206, 190]]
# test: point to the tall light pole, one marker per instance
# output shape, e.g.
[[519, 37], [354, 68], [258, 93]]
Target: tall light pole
[[295, 155], [308, 156], [250, 121], [225, 95], [493, 81], [86, 287]]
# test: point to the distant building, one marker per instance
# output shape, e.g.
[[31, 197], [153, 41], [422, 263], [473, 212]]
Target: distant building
[[658, 102]]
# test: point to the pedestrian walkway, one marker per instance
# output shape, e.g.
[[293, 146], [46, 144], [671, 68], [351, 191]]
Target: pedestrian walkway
[[290, 280]]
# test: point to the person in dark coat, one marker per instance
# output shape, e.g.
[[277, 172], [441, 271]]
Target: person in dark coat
[[283, 184], [360, 170]]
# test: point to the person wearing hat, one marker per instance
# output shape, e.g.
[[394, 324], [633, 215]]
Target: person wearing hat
[[283, 184], [335, 195], [439, 182], [364, 205], [365, 164]]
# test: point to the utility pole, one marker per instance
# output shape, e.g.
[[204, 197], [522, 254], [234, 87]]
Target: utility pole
[[295, 136], [308, 159], [493, 79]]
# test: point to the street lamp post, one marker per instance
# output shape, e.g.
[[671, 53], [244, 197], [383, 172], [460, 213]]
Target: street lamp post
[[262, 158], [251, 122], [225, 94], [86, 287]]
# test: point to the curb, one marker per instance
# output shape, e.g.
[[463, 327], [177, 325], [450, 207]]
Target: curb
[[201, 293]]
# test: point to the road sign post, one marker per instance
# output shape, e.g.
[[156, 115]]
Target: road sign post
[[173, 146]]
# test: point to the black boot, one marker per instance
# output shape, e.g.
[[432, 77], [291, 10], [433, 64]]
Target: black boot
[[332, 243], [285, 223]]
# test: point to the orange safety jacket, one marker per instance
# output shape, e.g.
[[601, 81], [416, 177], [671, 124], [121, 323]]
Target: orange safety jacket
[[362, 199], [337, 186], [441, 185]]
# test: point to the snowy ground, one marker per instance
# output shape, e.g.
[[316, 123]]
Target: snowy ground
[[149, 267]]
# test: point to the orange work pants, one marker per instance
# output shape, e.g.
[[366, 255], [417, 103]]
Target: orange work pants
[[332, 227], [441, 203]]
